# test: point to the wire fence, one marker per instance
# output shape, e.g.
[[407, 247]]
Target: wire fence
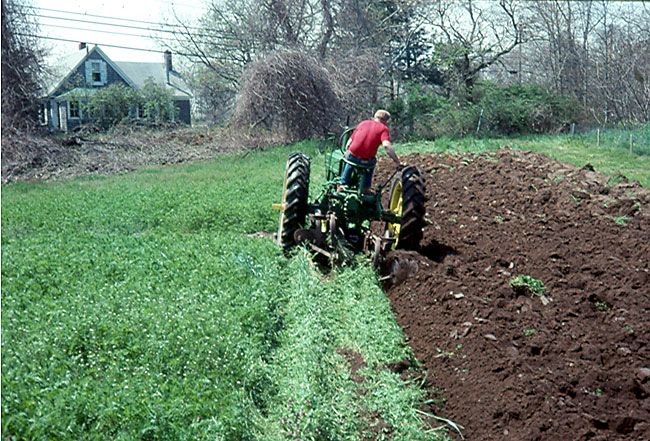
[[635, 141]]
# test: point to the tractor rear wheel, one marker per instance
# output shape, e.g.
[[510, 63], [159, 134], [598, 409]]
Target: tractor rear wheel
[[407, 199], [295, 191]]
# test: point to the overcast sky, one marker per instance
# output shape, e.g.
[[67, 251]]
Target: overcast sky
[[85, 21]]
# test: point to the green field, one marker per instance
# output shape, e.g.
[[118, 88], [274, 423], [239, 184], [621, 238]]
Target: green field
[[134, 307], [137, 307]]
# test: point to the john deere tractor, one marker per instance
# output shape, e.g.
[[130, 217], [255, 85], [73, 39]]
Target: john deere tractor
[[342, 221]]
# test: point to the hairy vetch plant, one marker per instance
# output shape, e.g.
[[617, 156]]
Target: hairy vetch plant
[[527, 285]]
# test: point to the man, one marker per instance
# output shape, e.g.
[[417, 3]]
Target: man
[[363, 145]]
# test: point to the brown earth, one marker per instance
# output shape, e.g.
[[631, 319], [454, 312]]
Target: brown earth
[[42, 156], [571, 364]]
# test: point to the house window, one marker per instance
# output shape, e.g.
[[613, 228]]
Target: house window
[[43, 114], [73, 109], [96, 72]]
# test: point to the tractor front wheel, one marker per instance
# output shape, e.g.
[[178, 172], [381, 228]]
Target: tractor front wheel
[[407, 199], [295, 191]]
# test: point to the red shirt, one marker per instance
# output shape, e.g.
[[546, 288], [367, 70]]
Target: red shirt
[[367, 138]]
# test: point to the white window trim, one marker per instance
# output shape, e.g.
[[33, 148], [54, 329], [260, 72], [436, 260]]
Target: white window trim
[[98, 72], [102, 70], [43, 116]]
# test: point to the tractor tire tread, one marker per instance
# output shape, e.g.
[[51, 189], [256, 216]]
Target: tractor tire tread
[[297, 190], [413, 211]]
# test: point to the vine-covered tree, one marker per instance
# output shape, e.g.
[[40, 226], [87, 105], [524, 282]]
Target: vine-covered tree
[[349, 38], [21, 66]]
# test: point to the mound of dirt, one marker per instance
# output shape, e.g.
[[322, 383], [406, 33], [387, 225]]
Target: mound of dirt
[[572, 362]]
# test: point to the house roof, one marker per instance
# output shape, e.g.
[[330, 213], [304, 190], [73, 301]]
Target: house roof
[[62, 70], [77, 93], [139, 72], [134, 73]]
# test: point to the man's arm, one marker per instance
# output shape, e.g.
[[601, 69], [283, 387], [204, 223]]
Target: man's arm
[[391, 152]]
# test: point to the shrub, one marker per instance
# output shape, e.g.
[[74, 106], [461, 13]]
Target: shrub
[[424, 113], [112, 105], [158, 102], [427, 114], [524, 109]]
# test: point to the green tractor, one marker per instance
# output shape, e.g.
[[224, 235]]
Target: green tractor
[[342, 221]]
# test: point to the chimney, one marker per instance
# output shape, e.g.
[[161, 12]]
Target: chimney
[[168, 63]]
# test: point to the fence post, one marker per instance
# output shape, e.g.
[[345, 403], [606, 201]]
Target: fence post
[[598, 137], [630, 143]]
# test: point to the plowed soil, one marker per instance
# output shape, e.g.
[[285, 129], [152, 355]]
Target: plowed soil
[[570, 364]]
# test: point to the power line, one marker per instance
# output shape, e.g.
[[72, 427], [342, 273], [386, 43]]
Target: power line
[[149, 37], [212, 44], [124, 47], [79, 20], [106, 32], [175, 32], [111, 18]]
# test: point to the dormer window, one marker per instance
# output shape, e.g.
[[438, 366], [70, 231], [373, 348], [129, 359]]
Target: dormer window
[[96, 72]]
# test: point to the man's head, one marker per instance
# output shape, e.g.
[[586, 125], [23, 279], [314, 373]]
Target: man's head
[[382, 116]]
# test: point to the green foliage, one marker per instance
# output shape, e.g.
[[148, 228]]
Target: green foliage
[[527, 285], [426, 114], [158, 101], [524, 109], [595, 392], [621, 220], [602, 306], [110, 105], [134, 307]]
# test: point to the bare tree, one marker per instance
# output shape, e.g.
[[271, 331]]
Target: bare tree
[[21, 66], [622, 67], [471, 36], [595, 51]]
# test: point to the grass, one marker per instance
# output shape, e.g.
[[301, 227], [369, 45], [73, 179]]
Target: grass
[[134, 307]]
